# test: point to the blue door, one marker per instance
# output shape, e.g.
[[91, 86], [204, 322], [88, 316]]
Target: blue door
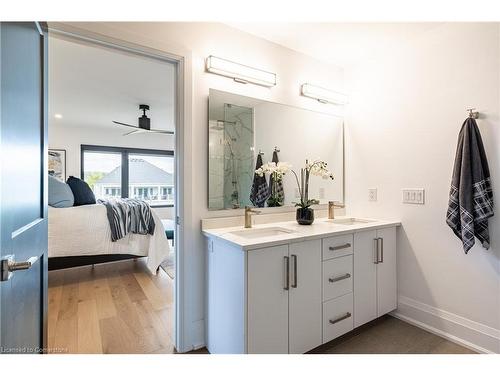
[[23, 187]]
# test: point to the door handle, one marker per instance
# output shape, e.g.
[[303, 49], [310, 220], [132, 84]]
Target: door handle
[[294, 259], [375, 240], [343, 317], [286, 264], [343, 277], [8, 266], [339, 247]]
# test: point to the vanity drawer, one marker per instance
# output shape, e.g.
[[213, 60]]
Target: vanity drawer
[[337, 277], [337, 317], [337, 246]]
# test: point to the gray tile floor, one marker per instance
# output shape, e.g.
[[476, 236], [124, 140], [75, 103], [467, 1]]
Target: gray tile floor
[[388, 335]]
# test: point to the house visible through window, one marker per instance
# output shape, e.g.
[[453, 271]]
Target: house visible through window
[[114, 172]]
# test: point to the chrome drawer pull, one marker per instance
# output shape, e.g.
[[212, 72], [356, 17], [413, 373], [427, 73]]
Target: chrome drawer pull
[[346, 316], [340, 247], [286, 264], [343, 277]]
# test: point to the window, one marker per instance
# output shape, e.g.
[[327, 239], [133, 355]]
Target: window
[[113, 172]]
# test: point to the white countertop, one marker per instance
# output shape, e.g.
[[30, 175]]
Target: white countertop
[[319, 229]]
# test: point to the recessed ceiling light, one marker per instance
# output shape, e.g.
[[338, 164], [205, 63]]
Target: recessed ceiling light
[[58, 115]]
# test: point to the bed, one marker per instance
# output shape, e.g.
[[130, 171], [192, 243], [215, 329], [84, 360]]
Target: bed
[[81, 236]]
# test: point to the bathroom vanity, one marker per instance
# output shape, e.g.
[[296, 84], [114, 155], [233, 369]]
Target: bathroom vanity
[[288, 288]]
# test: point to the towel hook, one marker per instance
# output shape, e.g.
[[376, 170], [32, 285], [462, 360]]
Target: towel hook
[[276, 149], [261, 152], [472, 113]]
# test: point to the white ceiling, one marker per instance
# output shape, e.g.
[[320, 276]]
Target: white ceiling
[[341, 44], [90, 85]]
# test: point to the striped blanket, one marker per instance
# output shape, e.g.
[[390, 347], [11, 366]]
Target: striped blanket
[[127, 215]]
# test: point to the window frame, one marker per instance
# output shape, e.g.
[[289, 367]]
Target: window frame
[[124, 152]]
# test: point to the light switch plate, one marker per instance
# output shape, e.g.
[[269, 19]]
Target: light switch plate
[[372, 195], [413, 196]]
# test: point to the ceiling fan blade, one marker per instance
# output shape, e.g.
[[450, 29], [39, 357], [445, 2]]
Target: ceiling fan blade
[[132, 132], [121, 123], [162, 131]]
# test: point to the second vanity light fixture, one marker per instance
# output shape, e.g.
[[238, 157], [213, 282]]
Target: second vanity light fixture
[[239, 73], [323, 95]]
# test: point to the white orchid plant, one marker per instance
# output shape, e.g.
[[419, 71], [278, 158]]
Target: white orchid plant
[[277, 171], [315, 168]]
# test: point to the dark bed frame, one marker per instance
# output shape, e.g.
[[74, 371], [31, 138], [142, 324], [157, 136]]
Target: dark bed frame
[[60, 263]]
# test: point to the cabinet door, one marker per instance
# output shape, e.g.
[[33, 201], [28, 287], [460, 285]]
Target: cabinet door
[[267, 301], [305, 296], [365, 277], [386, 272]]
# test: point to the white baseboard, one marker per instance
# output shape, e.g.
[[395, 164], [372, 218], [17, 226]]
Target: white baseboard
[[473, 335]]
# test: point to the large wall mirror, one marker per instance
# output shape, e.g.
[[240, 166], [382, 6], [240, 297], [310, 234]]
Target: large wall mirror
[[240, 128]]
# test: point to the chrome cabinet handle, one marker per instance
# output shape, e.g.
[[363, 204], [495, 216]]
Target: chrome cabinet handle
[[343, 277], [8, 265], [294, 259], [286, 263], [375, 261], [340, 247], [381, 250], [343, 317]]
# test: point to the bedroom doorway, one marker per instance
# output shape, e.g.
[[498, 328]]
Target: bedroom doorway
[[113, 116]]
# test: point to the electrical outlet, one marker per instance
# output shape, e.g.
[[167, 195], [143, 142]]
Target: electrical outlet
[[372, 195], [321, 193], [413, 196], [297, 193]]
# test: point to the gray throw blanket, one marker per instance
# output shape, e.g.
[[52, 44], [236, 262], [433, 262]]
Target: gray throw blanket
[[471, 198], [259, 192], [280, 192], [127, 215]]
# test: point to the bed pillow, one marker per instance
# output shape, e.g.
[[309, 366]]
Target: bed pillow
[[81, 190], [60, 194]]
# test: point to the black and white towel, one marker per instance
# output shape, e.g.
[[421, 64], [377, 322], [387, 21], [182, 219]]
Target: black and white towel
[[127, 215], [471, 197], [260, 191], [280, 192]]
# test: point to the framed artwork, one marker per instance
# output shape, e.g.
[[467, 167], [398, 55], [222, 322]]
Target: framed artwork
[[57, 164]]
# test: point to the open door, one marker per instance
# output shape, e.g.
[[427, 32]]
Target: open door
[[23, 187]]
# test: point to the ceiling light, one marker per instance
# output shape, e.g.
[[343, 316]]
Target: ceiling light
[[58, 115], [239, 72], [323, 95]]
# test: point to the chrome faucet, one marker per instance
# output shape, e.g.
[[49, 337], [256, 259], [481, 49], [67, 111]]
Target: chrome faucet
[[248, 216], [331, 209]]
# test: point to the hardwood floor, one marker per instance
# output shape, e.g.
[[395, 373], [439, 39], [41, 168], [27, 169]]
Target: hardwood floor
[[112, 308]]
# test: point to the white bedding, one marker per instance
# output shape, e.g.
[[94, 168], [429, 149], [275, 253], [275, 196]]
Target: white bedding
[[84, 230]]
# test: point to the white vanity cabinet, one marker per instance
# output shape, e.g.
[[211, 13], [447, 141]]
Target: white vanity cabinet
[[375, 281], [290, 296], [284, 298]]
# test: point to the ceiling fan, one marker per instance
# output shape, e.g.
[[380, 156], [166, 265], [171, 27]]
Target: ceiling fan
[[144, 124]]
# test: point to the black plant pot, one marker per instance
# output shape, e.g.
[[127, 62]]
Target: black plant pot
[[305, 216]]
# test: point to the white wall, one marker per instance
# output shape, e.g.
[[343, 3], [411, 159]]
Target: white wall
[[196, 41], [405, 112], [70, 138]]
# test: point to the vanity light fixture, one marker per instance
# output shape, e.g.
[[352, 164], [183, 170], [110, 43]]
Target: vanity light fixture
[[239, 73], [323, 95]]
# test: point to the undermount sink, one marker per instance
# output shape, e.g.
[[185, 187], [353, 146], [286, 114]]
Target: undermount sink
[[252, 233], [350, 221]]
